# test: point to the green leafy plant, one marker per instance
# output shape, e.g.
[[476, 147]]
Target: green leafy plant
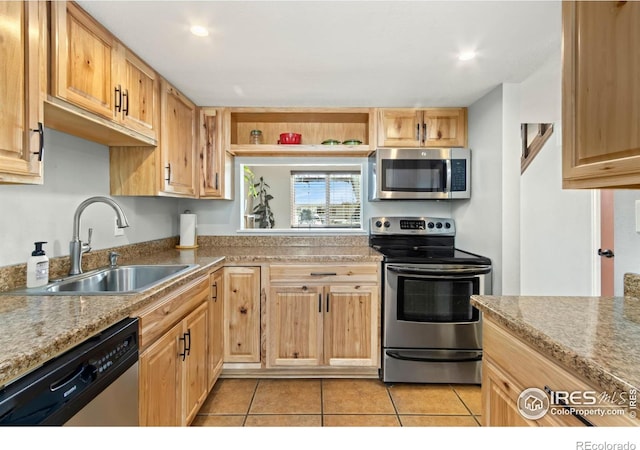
[[262, 210], [250, 177]]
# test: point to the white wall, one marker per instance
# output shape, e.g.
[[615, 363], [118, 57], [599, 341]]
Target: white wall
[[557, 226], [75, 169], [479, 221]]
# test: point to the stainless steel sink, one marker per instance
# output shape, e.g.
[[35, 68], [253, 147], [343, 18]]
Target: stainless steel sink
[[110, 281]]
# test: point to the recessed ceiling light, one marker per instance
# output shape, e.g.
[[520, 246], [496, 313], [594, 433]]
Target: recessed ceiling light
[[199, 31], [466, 56]]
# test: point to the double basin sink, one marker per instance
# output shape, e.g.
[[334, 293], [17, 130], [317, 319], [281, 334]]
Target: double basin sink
[[118, 280]]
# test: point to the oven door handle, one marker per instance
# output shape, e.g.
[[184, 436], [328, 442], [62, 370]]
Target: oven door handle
[[397, 355], [477, 270]]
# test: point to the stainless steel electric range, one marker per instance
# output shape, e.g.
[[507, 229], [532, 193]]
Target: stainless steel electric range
[[430, 331]]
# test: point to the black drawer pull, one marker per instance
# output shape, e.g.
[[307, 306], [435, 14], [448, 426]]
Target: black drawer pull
[[323, 274]]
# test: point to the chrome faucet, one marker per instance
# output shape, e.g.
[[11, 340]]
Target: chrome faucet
[[76, 247]]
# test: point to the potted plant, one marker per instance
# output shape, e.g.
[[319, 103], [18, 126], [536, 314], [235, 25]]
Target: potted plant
[[252, 193], [262, 210]]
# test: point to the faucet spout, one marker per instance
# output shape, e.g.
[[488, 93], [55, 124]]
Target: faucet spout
[[76, 247]]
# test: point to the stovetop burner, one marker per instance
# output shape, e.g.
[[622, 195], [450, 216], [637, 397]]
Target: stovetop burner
[[419, 240]]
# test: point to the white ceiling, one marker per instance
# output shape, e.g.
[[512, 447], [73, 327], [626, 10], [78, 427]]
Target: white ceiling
[[336, 53]]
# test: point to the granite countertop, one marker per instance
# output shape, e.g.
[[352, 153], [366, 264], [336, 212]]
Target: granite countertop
[[37, 328], [595, 337]]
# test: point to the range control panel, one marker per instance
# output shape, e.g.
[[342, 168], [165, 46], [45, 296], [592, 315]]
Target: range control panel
[[412, 225]]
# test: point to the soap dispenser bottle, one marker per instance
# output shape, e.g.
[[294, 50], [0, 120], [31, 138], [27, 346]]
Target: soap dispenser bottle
[[38, 267]]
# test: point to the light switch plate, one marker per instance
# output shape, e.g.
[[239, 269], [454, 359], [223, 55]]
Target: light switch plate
[[637, 216], [117, 231]]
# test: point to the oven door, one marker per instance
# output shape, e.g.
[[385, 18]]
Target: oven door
[[429, 306]]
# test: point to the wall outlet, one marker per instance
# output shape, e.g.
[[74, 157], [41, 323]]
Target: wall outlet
[[117, 231]]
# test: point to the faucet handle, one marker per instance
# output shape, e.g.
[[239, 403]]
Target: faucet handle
[[113, 259], [90, 234]]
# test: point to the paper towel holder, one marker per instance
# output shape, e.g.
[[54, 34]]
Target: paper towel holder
[[188, 247]]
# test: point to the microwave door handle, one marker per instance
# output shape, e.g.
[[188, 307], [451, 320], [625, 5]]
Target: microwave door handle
[[448, 187]]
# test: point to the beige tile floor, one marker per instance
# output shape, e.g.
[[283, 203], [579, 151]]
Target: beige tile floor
[[337, 402]]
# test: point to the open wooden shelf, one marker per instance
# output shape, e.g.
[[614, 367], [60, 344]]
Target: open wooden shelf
[[314, 124]]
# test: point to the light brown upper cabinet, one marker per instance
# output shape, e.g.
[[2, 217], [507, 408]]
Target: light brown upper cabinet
[[428, 127], [23, 51], [215, 164], [178, 142], [601, 94], [92, 72]]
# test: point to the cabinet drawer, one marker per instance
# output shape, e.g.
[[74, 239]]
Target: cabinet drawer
[[157, 318], [293, 273], [528, 368]]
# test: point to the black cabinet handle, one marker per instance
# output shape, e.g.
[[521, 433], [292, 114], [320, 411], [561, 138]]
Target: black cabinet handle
[[118, 98], [40, 131], [216, 180], [328, 302], [323, 274], [168, 167], [424, 133], [418, 132], [125, 97], [188, 335], [184, 346], [215, 295], [319, 303]]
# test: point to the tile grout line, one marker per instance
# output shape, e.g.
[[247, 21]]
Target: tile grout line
[[393, 403], [253, 396], [322, 402]]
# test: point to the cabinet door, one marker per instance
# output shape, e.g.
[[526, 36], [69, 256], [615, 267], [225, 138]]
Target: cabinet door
[[211, 154], [295, 326], [139, 86], [499, 397], [177, 141], [242, 314], [21, 49], [82, 66], [161, 381], [195, 364], [216, 326], [601, 94], [445, 127], [351, 326], [399, 127]]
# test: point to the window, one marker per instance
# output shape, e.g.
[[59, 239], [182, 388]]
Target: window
[[325, 199]]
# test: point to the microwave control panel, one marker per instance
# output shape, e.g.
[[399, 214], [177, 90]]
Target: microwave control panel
[[458, 175]]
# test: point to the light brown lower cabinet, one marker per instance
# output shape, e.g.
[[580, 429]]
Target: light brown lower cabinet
[[173, 377], [510, 366], [216, 326], [316, 324], [241, 314]]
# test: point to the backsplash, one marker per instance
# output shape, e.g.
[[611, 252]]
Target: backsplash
[[12, 277]]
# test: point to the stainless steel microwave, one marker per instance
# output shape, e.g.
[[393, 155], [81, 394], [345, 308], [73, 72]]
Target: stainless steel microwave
[[420, 174]]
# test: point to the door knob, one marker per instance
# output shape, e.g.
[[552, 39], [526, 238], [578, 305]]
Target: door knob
[[606, 253]]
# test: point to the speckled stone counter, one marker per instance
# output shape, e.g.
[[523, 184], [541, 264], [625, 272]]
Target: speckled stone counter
[[34, 329], [595, 337]]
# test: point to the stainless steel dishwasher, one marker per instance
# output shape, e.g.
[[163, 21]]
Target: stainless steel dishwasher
[[93, 384]]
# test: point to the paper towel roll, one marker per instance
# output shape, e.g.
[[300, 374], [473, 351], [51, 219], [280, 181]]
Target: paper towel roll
[[188, 224]]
